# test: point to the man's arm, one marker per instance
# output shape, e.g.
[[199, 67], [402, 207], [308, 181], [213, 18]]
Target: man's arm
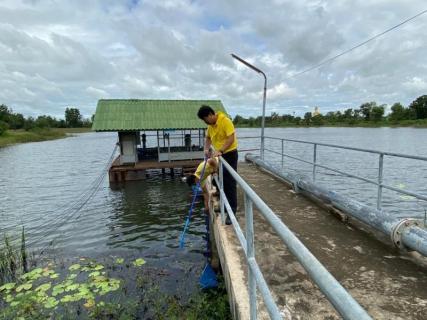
[[208, 146]]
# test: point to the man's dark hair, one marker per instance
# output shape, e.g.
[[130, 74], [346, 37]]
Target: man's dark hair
[[190, 180], [205, 111]]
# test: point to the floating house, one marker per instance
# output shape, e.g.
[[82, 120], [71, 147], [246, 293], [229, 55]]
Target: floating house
[[153, 134]]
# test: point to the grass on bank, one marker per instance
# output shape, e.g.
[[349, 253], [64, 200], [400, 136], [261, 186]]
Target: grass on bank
[[11, 137], [111, 288]]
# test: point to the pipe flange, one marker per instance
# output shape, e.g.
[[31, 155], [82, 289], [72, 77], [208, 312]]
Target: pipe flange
[[296, 178], [396, 235]]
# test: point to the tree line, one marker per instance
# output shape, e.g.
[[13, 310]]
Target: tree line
[[368, 112], [13, 121]]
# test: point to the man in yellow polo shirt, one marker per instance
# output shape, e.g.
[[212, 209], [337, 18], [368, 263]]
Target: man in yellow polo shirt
[[222, 136], [193, 179]]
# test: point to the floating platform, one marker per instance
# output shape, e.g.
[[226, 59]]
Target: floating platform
[[138, 171]]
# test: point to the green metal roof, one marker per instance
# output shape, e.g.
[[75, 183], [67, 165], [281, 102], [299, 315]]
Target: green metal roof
[[133, 114]]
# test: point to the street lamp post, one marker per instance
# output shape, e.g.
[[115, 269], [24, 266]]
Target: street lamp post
[[263, 102]]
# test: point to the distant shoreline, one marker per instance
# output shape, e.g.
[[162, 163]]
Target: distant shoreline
[[12, 137]]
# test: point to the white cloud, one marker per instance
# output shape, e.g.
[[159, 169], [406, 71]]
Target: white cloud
[[70, 54]]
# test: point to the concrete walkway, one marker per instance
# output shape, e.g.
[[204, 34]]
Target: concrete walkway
[[387, 283]]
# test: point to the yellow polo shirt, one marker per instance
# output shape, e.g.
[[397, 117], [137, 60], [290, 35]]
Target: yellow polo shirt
[[220, 131], [208, 170]]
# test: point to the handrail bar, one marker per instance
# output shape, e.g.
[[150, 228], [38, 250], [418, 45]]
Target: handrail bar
[[340, 299]]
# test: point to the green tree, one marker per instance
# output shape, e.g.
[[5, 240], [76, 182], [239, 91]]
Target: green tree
[[5, 113], [366, 109], [17, 121], [419, 107], [318, 120], [238, 119], [307, 118], [3, 127], [397, 112], [297, 120], [73, 118], [29, 124], [377, 113]]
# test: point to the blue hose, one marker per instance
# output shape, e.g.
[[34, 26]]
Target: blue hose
[[192, 204]]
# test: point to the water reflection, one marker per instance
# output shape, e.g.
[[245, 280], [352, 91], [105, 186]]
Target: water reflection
[[152, 211]]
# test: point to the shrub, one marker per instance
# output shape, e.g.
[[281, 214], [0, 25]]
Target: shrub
[[3, 127]]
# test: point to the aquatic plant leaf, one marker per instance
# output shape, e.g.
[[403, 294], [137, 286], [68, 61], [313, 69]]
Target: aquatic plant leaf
[[139, 262], [55, 275], [43, 287], [67, 283], [101, 304], [58, 286], [98, 267], [57, 290], [9, 298], [24, 286], [100, 279], [66, 298], [48, 272], [34, 274], [51, 302], [72, 287], [120, 260], [14, 303], [8, 286], [94, 274], [74, 267], [72, 276], [90, 303]]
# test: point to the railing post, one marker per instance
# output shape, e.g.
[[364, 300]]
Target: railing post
[[380, 181], [283, 153], [314, 161], [221, 186], [249, 222]]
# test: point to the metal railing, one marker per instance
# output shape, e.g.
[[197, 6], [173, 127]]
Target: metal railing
[[378, 182], [340, 299]]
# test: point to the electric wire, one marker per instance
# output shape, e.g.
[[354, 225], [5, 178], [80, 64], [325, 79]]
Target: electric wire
[[343, 53]]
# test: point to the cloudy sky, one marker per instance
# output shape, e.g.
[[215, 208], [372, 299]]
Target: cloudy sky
[[56, 54]]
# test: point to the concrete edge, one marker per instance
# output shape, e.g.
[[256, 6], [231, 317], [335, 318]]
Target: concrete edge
[[234, 275]]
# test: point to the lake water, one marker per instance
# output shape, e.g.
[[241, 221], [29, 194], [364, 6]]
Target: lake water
[[59, 190]]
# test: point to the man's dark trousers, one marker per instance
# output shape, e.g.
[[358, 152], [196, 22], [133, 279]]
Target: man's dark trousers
[[230, 186]]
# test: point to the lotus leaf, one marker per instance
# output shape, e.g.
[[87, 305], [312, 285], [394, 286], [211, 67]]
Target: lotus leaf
[[61, 285], [55, 275], [101, 304], [72, 276], [25, 286], [139, 262], [43, 287], [99, 267], [67, 283], [14, 303], [48, 272], [94, 274], [90, 303], [67, 298], [72, 287], [57, 290], [51, 302], [9, 298], [7, 286], [120, 260], [74, 267]]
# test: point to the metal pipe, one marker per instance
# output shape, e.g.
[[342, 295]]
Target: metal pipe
[[406, 233]]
